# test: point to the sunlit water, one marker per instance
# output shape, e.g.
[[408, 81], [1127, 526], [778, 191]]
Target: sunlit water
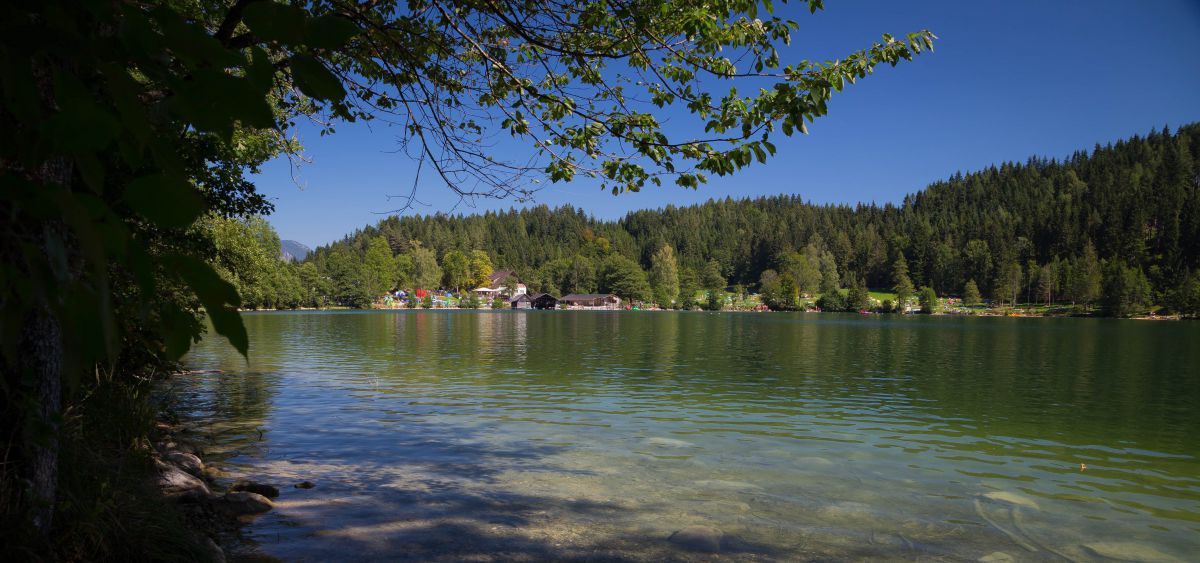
[[595, 435]]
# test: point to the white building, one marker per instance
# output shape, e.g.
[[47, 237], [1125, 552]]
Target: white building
[[501, 284]]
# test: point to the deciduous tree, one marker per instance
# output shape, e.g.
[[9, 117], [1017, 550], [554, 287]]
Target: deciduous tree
[[379, 268], [664, 276], [481, 268], [456, 270], [427, 273]]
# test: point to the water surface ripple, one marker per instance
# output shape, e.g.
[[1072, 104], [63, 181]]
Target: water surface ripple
[[595, 435]]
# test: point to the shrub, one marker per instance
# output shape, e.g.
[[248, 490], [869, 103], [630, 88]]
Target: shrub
[[832, 301], [928, 298]]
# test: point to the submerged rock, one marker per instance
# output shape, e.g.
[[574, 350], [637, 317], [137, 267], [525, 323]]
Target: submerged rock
[[243, 502], [814, 461], [263, 489], [996, 557], [846, 510], [1012, 498], [722, 484], [698, 538], [1129, 551], [304, 485], [669, 443], [187, 462]]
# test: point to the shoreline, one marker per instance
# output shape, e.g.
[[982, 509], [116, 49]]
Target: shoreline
[[985, 313], [214, 503]]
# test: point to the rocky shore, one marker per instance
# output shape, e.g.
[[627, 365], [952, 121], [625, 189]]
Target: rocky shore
[[214, 511]]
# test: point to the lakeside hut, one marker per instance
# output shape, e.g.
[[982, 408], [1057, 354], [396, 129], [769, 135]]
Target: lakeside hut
[[590, 301], [544, 301], [522, 301]]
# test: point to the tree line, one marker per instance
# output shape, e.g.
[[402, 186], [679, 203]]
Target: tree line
[[1116, 229]]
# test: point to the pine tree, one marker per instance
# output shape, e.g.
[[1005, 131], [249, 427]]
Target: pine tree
[[1131, 201], [971, 295], [688, 287], [1008, 282], [929, 300], [1126, 290], [713, 279], [1048, 281], [858, 298], [1087, 276], [903, 284]]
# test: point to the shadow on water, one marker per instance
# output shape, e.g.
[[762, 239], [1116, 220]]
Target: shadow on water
[[594, 436], [433, 493]]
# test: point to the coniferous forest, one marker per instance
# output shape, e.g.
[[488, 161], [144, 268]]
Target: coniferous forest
[[1117, 227]]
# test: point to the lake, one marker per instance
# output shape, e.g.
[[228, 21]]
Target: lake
[[565, 435]]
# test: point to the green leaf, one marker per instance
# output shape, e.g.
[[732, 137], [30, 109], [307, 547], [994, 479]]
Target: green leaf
[[168, 201], [90, 328], [213, 101], [275, 22], [329, 32], [177, 331], [19, 92], [218, 296], [92, 172], [81, 128], [315, 80], [260, 71]]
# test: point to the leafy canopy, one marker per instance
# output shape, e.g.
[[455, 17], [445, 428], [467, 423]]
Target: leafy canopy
[[126, 122]]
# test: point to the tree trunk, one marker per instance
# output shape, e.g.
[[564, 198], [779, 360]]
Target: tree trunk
[[41, 360], [41, 350]]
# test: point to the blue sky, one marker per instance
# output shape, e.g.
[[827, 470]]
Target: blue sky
[[1008, 80]]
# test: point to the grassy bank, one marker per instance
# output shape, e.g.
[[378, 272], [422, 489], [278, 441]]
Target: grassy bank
[[108, 506]]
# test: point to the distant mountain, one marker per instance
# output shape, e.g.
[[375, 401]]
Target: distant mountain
[[294, 251]]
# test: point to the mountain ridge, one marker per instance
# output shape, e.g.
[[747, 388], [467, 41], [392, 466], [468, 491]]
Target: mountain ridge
[[294, 251]]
